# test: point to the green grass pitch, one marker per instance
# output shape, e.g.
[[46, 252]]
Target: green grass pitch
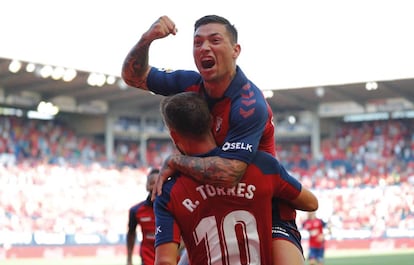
[[400, 258]]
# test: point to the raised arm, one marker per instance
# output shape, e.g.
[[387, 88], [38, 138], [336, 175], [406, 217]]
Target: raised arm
[[136, 67], [210, 170]]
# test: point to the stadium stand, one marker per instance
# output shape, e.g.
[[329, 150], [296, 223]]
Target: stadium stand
[[57, 188], [60, 184]]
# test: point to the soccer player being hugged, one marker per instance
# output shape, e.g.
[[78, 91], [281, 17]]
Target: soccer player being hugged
[[219, 225], [242, 118]]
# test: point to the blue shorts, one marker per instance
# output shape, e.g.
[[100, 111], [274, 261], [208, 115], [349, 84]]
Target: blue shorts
[[316, 253], [287, 230]]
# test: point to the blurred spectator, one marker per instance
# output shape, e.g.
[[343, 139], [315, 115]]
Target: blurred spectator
[[53, 180]]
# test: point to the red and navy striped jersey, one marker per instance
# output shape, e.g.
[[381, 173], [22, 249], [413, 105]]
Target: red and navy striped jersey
[[225, 225], [143, 214], [243, 119], [316, 234]]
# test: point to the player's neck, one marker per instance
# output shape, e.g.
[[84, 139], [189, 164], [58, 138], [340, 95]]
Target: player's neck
[[216, 88], [197, 147]]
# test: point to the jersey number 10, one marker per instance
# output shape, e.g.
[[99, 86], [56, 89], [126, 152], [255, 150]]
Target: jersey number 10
[[239, 232]]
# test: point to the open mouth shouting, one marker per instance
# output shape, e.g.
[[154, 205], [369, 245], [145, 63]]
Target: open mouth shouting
[[207, 63]]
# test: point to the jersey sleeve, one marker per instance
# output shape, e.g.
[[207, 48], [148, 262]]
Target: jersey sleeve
[[288, 187], [285, 186], [167, 82], [132, 220], [248, 119], [166, 228]]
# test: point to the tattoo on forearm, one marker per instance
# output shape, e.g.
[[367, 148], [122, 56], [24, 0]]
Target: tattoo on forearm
[[135, 65], [211, 170]]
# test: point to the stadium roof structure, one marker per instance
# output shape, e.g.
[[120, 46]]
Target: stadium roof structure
[[25, 87]]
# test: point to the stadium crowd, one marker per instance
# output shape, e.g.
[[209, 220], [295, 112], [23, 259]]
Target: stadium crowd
[[358, 154], [54, 181]]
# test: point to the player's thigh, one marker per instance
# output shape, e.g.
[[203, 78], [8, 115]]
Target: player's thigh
[[286, 253]]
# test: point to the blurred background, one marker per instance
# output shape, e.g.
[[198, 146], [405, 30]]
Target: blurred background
[[76, 142]]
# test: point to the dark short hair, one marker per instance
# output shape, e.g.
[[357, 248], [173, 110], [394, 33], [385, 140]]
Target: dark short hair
[[231, 29], [187, 113], [153, 170]]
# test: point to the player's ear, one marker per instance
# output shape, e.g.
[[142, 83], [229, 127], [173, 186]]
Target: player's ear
[[174, 136], [236, 51]]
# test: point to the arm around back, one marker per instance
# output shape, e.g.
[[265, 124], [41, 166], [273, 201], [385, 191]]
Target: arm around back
[[213, 170]]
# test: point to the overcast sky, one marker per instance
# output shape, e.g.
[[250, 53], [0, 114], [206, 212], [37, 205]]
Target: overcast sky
[[285, 44]]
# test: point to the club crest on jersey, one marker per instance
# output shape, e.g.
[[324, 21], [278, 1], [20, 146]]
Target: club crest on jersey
[[166, 70], [219, 121]]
